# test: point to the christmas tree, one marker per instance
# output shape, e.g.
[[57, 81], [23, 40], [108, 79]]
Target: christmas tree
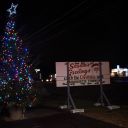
[[15, 80]]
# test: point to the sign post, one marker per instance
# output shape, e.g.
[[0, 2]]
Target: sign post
[[102, 94], [69, 100]]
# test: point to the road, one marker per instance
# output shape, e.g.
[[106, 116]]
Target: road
[[56, 119]]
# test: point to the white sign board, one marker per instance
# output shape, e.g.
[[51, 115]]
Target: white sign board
[[82, 73]]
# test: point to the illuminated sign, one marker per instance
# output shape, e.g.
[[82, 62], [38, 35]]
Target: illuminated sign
[[82, 73]]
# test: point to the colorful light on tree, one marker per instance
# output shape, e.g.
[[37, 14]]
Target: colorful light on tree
[[16, 80]]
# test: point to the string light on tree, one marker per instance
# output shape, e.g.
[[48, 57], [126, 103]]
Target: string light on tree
[[16, 69]]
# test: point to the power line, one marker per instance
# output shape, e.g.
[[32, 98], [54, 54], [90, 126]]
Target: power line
[[48, 39], [56, 20]]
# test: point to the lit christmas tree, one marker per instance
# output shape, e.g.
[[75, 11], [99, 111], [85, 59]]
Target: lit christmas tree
[[16, 80]]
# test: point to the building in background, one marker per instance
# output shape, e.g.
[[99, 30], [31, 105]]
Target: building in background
[[119, 72]]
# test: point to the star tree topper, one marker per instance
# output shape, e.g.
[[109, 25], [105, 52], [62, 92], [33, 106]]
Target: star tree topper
[[12, 10]]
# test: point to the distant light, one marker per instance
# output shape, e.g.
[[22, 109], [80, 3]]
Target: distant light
[[37, 70], [118, 66], [30, 105], [47, 80]]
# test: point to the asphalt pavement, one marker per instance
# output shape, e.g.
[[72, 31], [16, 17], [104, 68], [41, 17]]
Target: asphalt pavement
[[55, 118]]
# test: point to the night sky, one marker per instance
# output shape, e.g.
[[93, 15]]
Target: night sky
[[86, 30]]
